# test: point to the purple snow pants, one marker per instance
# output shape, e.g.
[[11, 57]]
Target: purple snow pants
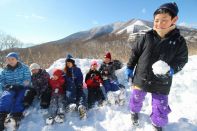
[[160, 107]]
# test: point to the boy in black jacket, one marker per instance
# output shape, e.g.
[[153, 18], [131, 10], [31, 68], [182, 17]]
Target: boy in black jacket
[[161, 47]]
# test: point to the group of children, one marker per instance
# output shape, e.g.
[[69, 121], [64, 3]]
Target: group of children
[[65, 88], [61, 92]]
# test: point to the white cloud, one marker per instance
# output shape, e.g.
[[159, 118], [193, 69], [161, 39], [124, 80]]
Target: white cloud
[[32, 16], [144, 11]]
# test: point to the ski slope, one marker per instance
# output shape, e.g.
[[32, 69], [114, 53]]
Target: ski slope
[[182, 99]]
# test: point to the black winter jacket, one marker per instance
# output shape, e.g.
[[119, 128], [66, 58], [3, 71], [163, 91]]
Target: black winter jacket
[[149, 49]]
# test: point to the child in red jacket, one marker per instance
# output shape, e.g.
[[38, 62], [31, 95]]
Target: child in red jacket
[[93, 80], [57, 82], [56, 109]]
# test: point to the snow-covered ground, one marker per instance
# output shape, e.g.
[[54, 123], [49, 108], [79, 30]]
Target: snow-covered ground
[[182, 99]]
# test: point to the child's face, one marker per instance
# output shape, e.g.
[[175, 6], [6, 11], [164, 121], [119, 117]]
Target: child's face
[[164, 21], [107, 60], [11, 61], [94, 67], [69, 64], [55, 77], [35, 71]]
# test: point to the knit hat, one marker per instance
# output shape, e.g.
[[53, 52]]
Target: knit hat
[[172, 7], [108, 55], [13, 55], [94, 63], [34, 66], [57, 72], [69, 58]]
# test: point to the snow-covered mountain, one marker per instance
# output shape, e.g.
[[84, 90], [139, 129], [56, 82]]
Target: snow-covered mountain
[[92, 33], [133, 28], [182, 99]]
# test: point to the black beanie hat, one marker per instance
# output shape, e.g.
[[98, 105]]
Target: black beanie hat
[[172, 7]]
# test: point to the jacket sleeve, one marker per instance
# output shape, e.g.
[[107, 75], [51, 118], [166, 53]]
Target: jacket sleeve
[[87, 77], [136, 52], [181, 56], [101, 68], [26, 75], [79, 76], [46, 78], [2, 79]]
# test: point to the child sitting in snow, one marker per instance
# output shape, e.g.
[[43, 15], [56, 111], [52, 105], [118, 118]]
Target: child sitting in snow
[[15, 79], [93, 80], [163, 46], [75, 97], [56, 108], [110, 80], [40, 85]]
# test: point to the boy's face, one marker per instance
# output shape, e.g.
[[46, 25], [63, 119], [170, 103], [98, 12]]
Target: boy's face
[[107, 60], [35, 71], [11, 61], [164, 21]]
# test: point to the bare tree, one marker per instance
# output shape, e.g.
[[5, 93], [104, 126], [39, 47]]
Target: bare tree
[[7, 42]]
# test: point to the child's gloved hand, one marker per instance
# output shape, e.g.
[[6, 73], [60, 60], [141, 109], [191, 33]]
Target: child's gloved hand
[[129, 73], [56, 91]]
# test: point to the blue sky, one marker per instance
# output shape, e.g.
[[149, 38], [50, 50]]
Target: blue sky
[[36, 21]]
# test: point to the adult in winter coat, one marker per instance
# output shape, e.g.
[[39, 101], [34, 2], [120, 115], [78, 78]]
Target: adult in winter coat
[[40, 87], [56, 109], [93, 80], [107, 70], [74, 86], [163, 44], [14, 79]]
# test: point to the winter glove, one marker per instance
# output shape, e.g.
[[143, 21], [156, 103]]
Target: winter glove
[[129, 73], [14, 87], [171, 73]]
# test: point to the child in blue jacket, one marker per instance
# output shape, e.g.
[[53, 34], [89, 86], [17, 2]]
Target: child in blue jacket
[[74, 86], [14, 79]]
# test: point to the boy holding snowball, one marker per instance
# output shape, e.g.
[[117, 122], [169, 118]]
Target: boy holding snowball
[[159, 54]]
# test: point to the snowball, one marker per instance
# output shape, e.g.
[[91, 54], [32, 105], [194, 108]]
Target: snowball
[[160, 68]]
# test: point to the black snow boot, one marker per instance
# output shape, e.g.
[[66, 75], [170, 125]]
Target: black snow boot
[[134, 119], [156, 128], [45, 99], [29, 97], [2, 120], [17, 116]]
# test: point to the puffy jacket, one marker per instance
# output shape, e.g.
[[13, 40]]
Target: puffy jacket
[[15, 76], [76, 76], [149, 49], [40, 81], [93, 79], [59, 83], [74, 90]]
